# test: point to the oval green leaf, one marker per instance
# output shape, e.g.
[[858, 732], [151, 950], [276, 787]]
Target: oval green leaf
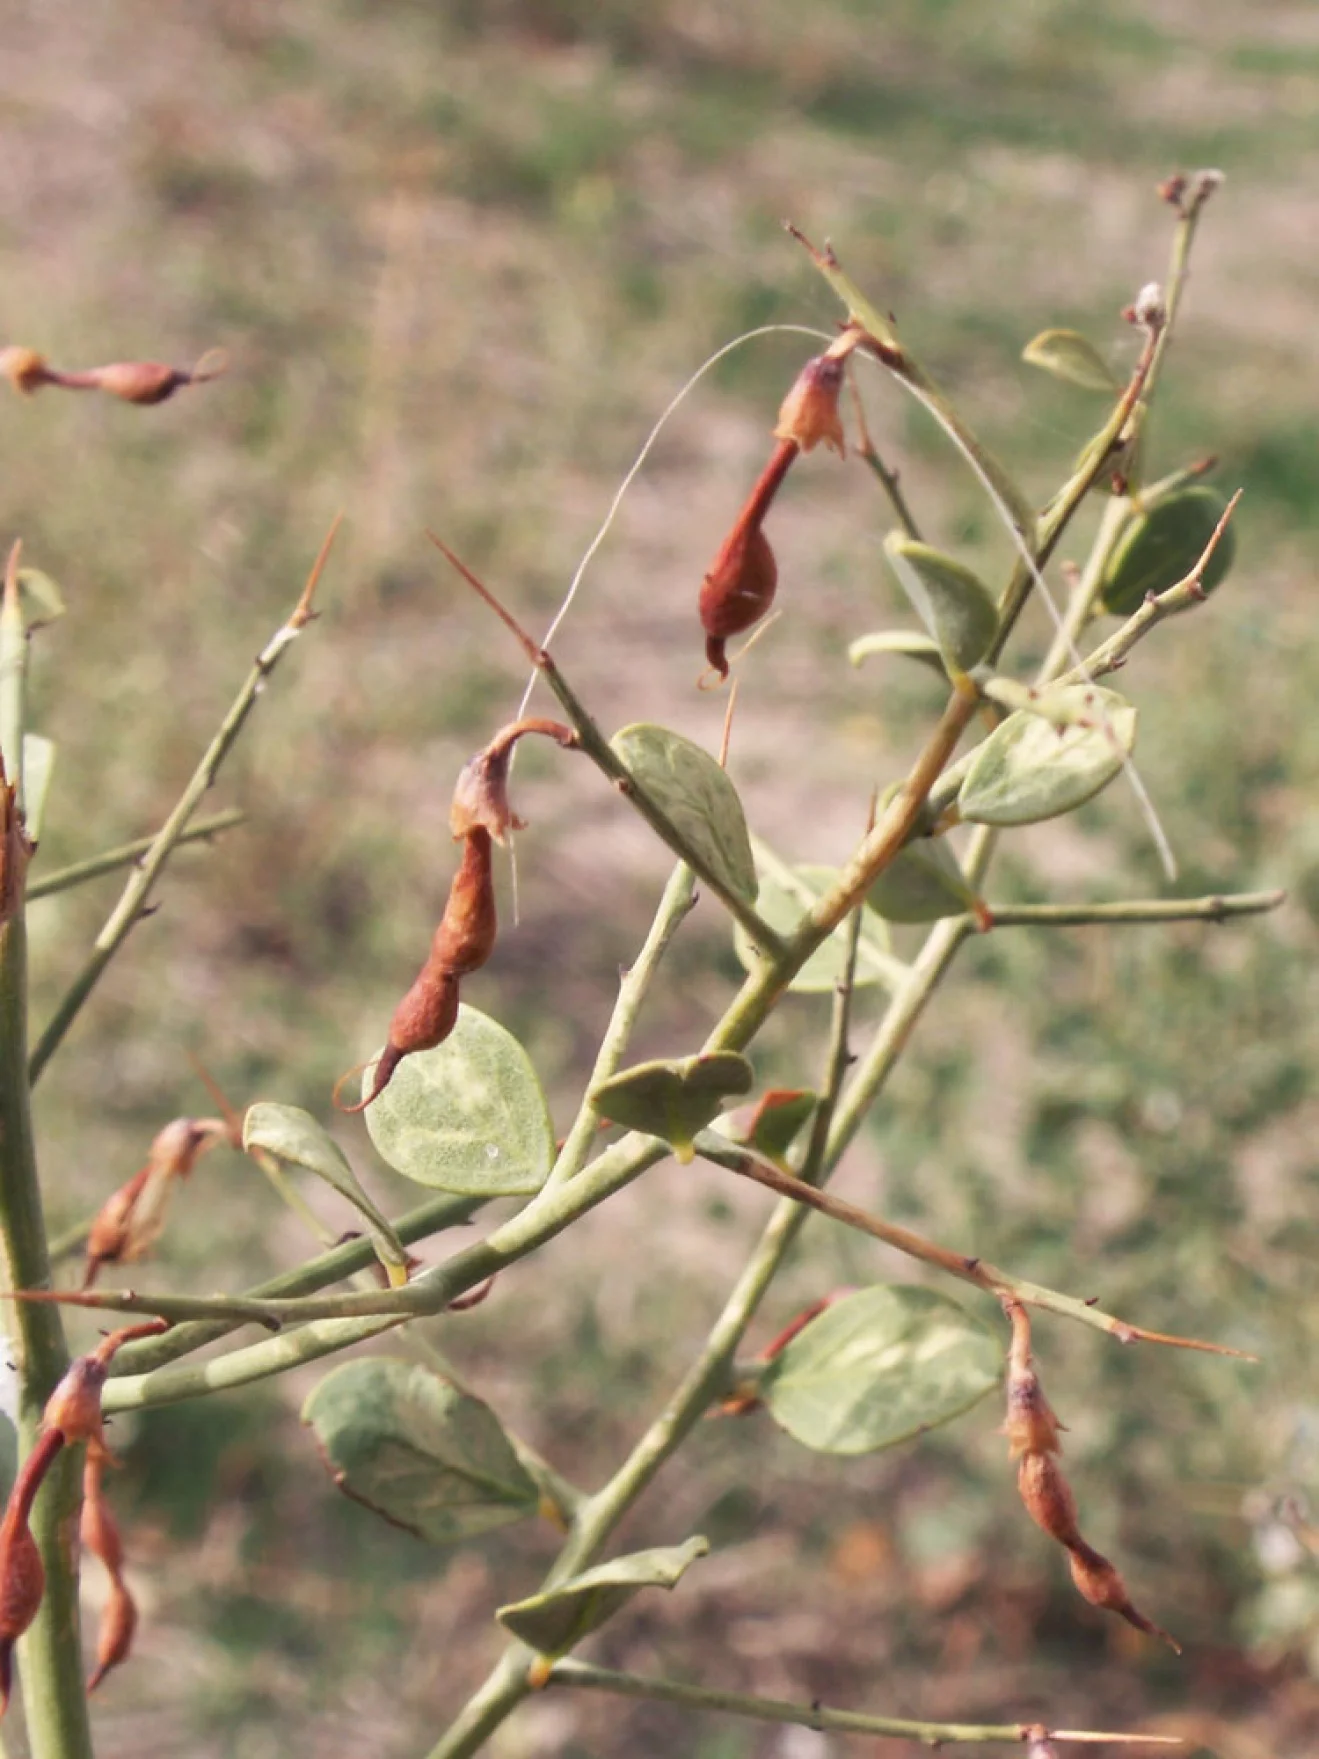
[[468, 1116], [786, 894], [772, 1124], [922, 883], [954, 603], [1031, 768], [1068, 355], [907, 642], [296, 1139], [1162, 545], [673, 1099], [418, 1450], [697, 798], [555, 1622], [878, 1367]]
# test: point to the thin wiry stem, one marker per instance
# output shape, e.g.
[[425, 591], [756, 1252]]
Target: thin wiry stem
[[77, 873]]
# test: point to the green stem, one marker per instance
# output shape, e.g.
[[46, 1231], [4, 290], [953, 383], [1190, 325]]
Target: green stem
[[63, 879], [819, 1716], [50, 1655], [677, 900], [137, 892], [1216, 908]]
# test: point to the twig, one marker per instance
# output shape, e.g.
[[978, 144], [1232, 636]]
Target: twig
[[137, 892], [820, 1716], [1217, 907], [61, 879]]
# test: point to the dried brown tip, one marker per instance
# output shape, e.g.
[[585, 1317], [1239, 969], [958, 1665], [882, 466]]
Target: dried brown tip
[[26, 370], [115, 1638], [1098, 1582], [809, 413], [480, 795]]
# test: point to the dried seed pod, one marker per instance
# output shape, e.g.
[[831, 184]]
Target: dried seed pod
[[737, 591], [1048, 1497], [465, 938], [130, 1221], [1100, 1583], [73, 1410], [480, 795], [424, 1018], [1031, 1426], [100, 1537], [22, 1574], [138, 381], [809, 413], [25, 369]]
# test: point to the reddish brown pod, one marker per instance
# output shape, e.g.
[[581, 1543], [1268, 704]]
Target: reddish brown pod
[[131, 1220], [143, 382], [100, 1538], [22, 1575], [1100, 1583]]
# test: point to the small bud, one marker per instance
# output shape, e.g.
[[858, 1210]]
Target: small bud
[[809, 413], [480, 796], [1148, 308], [74, 1408], [25, 369], [1048, 1497], [131, 1220]]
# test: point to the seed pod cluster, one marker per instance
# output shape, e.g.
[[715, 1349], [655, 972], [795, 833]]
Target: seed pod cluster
[[741, 582], [132, 381], [130, 1221], [72, 1415], [479, 817], [1032, 1430]]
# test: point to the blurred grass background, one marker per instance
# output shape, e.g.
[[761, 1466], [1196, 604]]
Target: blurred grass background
[[461, 255]]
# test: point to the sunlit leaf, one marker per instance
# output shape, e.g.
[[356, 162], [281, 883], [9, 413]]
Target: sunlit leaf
[[673, 1099], [295, 1138], [1161, 546], [556, 1621], [878, 1367], [909, 643], [468, 1116], [951, 600], [1031, 769], [695, 796], [418, 1450], [1068, 355]]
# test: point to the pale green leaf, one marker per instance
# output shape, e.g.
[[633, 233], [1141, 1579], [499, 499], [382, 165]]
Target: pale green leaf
[[38, 762], [468, 1116], [673, 1099], [878, 1367], [910, 643], [1030, 768], [1068, 355], [39, 598], [696, 797], [786, 894], [922, 883], [556, 1621], [418, 1450], [951, 600], [296, 1139]]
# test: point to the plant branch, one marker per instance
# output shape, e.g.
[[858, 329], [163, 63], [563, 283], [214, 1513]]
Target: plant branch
[[50, 1655], [820, 1717], [602, 754], [999, 1283], [77, 873], [1218, 907], [137, 893], [677, 900]]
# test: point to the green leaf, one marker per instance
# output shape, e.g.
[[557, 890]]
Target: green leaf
[[418, 1450], [878, 1367], [38, 762], [954, 603], [556, 1621], [922, 883], [468, 1116], [786, 894], [295, 1138], [40, 600], [908, 642], [1162, 545], [696, 796], [773, 1123], [1068, 355], [673, 1099], [1031, 769]]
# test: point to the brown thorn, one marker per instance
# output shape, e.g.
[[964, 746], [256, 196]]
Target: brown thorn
[[536, 654], [302, 612], [232, 1119]]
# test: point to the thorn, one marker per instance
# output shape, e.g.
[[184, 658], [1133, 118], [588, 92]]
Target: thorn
[[536, 654], [302, 611]]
